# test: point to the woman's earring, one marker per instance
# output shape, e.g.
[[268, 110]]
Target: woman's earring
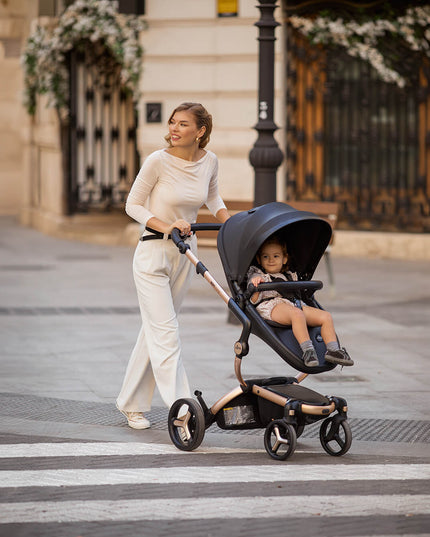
[[198, 140]]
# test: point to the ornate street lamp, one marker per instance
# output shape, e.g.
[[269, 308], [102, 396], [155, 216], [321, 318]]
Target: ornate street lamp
[[265, 156]]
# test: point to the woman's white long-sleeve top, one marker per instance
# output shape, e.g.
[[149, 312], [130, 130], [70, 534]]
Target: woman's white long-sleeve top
[[171, 188]]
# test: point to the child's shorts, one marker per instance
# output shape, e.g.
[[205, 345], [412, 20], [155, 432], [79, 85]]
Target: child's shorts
[[266, 307]]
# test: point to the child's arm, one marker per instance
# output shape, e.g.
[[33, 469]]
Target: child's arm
[[255, 276], [256, 280]]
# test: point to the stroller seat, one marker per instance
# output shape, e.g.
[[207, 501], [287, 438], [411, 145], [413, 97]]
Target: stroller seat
[[307, 237]]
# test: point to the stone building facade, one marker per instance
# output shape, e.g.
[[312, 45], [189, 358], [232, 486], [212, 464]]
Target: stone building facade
[[191, 53]]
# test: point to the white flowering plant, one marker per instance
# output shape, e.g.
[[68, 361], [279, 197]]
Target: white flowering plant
[[94, 22], [387, 44]]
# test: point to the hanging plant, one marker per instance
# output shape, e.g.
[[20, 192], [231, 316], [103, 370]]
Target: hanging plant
[[387, 44], [94, 21]]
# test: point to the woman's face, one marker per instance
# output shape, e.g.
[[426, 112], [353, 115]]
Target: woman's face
[[183, 129]]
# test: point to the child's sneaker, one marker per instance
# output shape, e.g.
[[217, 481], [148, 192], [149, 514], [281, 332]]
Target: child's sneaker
[[310, 358], [340, 356]]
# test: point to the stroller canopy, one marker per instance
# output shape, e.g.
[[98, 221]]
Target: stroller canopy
[[305, 234]]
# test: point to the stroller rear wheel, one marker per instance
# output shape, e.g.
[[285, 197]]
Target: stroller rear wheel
[[335, 436], [186, 423], [280, 440]]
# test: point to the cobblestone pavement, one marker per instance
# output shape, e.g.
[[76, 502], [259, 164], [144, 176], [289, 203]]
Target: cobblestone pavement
[[69, 465]]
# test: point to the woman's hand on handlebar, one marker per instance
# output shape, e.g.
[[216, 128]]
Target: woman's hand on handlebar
[[183, 226]]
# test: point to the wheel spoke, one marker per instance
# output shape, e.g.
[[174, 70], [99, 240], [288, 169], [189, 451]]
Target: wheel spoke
[[338, 432], [339, 440], [331, 433], [280, 440]]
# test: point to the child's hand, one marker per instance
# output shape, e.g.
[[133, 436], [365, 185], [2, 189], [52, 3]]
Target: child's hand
[[256, 280]]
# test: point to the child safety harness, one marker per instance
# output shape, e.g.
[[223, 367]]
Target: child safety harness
[[291, 297]]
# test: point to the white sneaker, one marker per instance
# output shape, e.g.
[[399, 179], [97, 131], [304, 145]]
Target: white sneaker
[[136, 420]]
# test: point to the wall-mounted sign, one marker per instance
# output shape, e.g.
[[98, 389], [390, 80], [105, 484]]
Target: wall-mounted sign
[[228, 8], [153, 113]]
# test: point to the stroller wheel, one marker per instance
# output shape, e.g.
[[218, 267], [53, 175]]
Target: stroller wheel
[[280, 440], [335, 436], [186, 423]]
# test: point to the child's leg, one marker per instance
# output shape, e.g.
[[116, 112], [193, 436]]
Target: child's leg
[[286, 313], [322, 318]]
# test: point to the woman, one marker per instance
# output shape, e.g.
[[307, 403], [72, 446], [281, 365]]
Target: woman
[[169, 189]]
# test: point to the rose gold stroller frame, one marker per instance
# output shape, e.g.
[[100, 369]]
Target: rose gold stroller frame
[[284, 433]]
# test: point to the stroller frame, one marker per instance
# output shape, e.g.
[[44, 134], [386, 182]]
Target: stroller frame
[[279, 404]]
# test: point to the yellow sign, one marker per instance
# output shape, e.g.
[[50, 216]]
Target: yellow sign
[[228, 8]]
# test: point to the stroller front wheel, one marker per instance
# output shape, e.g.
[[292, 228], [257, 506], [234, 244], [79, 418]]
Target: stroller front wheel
[[186, 423], [280, 440], [335, 436]]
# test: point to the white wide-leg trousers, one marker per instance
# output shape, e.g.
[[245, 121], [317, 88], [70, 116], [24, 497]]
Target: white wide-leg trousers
[[162, 276]]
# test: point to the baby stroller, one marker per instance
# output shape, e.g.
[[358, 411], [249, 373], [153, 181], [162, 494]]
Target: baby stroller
[[280, 405]]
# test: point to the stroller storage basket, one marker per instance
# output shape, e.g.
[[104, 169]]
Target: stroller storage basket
[[240, 413]]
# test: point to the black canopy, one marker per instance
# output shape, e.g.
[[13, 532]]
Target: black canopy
[[239, 239]]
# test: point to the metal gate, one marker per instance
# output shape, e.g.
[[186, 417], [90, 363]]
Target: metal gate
[[356, 140], [103, 157]]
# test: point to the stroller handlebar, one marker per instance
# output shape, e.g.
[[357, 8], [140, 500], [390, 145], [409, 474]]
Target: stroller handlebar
[[178, 239], [215, 226], [285, 287], [313, 285]]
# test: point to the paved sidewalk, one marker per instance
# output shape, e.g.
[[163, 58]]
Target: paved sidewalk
[[69, 319]]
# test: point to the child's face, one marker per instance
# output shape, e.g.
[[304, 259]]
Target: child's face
[[272, 258]]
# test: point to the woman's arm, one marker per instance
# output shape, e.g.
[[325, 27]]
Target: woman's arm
[[185, 227], [214, 201], [161, 226], [141, 189], [222, 215]]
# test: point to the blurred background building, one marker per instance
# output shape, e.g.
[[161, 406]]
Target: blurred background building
[[353, 119]]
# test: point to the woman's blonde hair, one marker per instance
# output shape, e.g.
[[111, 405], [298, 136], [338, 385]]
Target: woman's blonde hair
[[202, 118]]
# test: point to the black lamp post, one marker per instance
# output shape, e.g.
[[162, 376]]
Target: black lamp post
[[265, 156]]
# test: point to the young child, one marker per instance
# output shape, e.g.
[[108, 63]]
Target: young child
[[273, 259]]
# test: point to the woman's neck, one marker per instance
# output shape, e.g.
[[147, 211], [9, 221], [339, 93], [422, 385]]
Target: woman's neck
[[192, 154]]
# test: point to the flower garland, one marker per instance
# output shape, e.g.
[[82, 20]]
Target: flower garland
[[366, 40], [97, 21]]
